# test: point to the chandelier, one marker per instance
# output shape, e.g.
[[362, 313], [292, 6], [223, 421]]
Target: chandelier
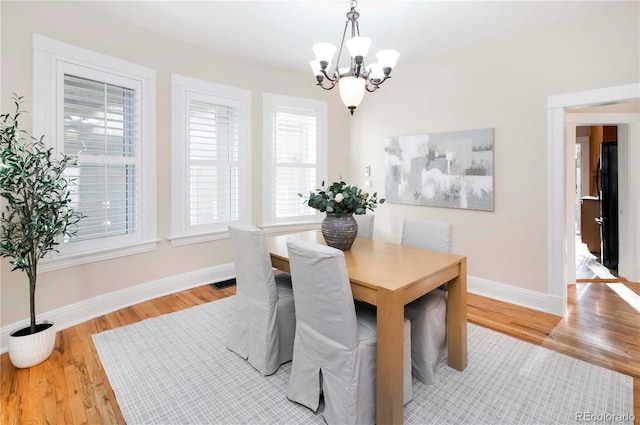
[[354, 80]]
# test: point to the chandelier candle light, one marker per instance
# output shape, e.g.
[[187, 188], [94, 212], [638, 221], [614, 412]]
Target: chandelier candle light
[[352, 81]]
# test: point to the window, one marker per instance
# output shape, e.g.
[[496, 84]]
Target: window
[[103, 109], [295, 143], [100, 121], [211, 159]]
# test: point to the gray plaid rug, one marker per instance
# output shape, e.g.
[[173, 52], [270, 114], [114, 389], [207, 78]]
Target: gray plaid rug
[[175, 369]]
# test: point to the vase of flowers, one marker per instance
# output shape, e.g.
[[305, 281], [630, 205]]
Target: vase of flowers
[[340, 201]]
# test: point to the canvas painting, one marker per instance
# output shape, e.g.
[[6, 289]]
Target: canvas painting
[[451, 169]]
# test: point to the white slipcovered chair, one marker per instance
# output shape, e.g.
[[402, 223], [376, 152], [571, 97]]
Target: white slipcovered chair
[[365, 225], [434, 235], [263, 324], [428, 314], [335, 345]]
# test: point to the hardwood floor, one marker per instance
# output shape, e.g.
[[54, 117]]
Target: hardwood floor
[[71, 387]]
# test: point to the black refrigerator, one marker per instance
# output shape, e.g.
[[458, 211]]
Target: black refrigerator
[[607, 178]]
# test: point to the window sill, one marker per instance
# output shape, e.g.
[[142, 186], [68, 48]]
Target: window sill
[[177, 241], [290, 227], [72, 260], [192, 239]]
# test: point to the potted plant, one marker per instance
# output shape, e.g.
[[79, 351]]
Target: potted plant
[[340, 201], [37, 212]]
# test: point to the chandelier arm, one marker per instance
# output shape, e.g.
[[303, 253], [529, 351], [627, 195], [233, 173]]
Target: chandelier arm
[[373, 88], [344, 34], [355, 32], [333, 84], [324, 72], [379, 83]]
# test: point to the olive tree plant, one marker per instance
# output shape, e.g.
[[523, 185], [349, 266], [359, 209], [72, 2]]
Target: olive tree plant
[[37, 200]]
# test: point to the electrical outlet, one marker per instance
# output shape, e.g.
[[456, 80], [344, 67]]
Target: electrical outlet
[[367, 170]]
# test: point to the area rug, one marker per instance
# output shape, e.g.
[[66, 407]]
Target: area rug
[[175, 369]]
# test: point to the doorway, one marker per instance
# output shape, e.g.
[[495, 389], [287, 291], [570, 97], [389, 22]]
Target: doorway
[[565, 113], [593, 253]]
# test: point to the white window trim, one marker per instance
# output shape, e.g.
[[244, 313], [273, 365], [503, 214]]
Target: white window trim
[[65, 67], [181, 85], [270, 102], [47, 53]]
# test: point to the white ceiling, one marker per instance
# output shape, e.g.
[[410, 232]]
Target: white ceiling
[[282, 33]]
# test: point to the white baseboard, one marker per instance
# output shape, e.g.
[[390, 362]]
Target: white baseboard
[[512, 294], [557, 305], [80, 312]]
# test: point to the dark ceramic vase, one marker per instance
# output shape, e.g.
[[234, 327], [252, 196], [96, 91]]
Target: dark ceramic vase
[[339, 232]]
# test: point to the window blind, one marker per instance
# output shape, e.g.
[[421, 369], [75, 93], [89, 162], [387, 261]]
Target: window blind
[[100, 121], [213, 145], [295, 141]]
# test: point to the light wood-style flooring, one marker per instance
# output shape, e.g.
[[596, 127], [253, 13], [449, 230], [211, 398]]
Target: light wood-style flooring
[[72, 388]]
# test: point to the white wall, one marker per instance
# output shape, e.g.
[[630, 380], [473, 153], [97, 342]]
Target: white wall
[[73, 23], [502, 83]]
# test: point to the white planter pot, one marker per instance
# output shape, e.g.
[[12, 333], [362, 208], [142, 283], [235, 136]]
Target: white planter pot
[[30, 350]]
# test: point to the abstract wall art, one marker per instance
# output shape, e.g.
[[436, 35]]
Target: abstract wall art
[[452, 169]]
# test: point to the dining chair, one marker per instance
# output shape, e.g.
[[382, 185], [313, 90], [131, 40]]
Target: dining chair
[[365, 225], [428, 314], [335, 344], [263, 324], [434, 235]]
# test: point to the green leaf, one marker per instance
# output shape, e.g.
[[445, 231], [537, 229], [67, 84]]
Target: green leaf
[[37, 200]]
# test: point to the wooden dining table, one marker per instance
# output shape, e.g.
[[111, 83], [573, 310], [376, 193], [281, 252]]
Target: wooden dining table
[[389, 276]]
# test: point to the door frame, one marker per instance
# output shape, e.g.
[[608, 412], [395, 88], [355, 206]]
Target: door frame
[[585, 149], [561, 180]]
